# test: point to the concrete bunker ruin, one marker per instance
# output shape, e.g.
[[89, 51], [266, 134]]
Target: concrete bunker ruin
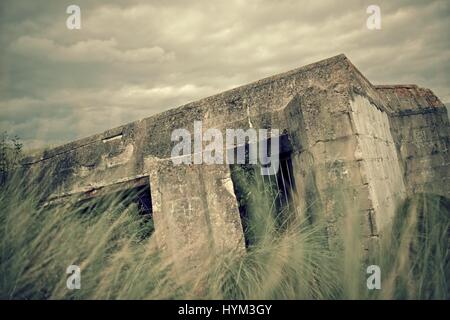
[[377, 144]]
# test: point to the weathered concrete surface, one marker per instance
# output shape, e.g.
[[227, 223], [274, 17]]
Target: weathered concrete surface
[[374, 144], [420, 129], [194, 209], [348, 155], [379, 164]]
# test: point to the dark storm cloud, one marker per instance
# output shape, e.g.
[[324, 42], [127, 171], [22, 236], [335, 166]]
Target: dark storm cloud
[[132, 59]]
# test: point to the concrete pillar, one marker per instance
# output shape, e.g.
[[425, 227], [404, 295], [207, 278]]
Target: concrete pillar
[[195, 210]]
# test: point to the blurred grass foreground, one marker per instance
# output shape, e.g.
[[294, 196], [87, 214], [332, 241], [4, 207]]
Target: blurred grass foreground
[[287, 258]]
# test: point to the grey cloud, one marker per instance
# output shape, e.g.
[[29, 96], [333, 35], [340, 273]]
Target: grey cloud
[[87, 51], [132, 59]]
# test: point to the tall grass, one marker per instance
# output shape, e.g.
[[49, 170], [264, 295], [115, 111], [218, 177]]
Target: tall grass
[[415, 253], [288, 258]]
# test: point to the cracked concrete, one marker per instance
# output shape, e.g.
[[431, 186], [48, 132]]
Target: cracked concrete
[[376, 144]]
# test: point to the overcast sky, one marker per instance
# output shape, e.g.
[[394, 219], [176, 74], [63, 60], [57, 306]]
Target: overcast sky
[[132, 59]]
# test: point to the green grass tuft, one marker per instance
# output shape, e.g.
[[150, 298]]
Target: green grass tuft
[[288, 258]]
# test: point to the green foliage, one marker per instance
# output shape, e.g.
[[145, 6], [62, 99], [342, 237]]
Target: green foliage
[[10, 154], [415, 254]]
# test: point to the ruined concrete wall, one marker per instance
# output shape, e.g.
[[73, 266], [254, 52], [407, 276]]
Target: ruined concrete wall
[[348, 164], [354, 147], [379, 163], [345, 160], [325, 168], [194, 210], [100, 159], [420, 128]]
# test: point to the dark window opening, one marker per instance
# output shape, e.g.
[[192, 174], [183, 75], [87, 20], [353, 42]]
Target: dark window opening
[[120, 197], [283, 184], [259, 195], [121, 194]]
